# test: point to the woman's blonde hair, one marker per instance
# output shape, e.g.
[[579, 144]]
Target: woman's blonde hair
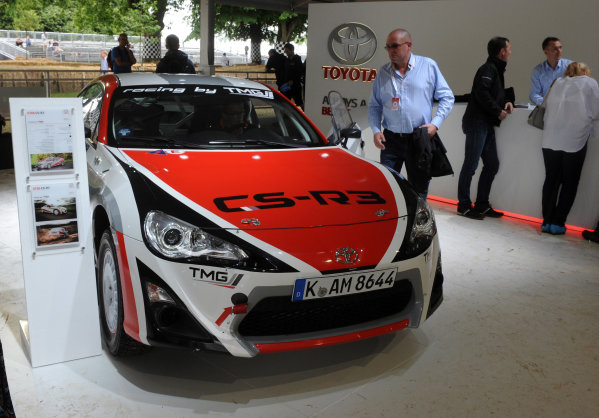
[[577, 68]]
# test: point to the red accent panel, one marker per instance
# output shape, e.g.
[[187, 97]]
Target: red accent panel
[[130, 320], [228, 311], [110, 84], [339, 339], [510, 214], [292, 193]]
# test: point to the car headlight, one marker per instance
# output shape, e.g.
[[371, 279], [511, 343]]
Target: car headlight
[[421, 234], [174, 238]]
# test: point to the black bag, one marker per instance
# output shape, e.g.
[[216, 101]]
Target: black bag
[[440, 165], [109, 59]]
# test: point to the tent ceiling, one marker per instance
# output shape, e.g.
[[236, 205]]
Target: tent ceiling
[[299, 6]]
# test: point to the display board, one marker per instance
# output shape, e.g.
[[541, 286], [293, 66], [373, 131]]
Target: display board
[[55, 230]]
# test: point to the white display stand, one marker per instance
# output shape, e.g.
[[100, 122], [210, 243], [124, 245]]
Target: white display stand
[[55, 230]]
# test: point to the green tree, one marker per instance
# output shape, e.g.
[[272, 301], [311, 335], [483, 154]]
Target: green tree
[[27, 20], [58, 17], [6, 19], [243, 23], [117, 16]]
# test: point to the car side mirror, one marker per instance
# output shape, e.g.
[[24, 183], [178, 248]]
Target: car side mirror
[[350, 133]]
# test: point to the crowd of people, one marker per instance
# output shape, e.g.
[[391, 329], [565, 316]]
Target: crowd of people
[[402, 99]]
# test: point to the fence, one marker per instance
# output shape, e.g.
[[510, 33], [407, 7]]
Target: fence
[[65, 81]]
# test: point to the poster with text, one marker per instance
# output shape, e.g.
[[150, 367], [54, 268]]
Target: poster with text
[[50, 140]]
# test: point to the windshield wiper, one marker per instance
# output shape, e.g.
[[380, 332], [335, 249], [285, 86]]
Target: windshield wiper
[[171, 141], [257, 142]]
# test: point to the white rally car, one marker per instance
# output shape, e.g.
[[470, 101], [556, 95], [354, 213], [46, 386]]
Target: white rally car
[[224, 220]]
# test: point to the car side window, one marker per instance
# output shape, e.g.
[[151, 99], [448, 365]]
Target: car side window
[[92, 105]]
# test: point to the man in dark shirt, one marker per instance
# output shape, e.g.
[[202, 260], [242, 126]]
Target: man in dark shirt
[[276, 63], [294, 71], [121, 56], [174, 61], [486, 109]]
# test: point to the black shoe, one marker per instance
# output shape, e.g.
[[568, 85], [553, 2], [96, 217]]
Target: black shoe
[[591, 235], [471, 213], [489, 211]]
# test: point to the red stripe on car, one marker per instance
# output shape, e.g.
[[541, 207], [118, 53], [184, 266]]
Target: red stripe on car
[[338, 339], [130, 320]]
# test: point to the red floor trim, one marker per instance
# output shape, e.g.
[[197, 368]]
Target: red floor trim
[[510, 214]]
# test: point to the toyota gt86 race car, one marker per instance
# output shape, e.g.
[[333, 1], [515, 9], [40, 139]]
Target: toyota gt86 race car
[[56, 210], [50, 162], [224, 220]]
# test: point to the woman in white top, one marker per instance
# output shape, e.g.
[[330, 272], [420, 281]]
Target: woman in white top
[[571, 107]]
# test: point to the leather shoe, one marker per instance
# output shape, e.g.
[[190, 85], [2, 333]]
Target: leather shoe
[[471, 213], [591, 235], [489, 211]]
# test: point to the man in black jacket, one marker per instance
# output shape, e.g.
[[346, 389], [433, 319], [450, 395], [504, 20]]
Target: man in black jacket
[[486, 109], [276, 64], [294, 72], [174, 61]]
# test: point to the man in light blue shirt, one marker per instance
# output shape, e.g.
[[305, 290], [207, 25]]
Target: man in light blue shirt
[[546, 72], [402, 98]]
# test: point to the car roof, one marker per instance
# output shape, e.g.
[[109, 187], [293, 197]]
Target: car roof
[[137, 79]]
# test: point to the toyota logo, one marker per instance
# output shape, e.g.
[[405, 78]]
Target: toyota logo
[[346, 255], [352, 44]]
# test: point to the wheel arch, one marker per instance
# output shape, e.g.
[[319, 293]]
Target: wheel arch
[[100, 222]]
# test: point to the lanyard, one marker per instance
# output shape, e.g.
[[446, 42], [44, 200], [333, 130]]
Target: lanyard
[[394, 82]]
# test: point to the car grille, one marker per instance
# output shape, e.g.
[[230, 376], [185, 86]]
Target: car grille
[[280, 316]]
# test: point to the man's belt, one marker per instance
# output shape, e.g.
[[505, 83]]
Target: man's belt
[[391, 134]]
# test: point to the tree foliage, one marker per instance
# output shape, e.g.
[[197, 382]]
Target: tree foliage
[[117, 16], [243, 23], [139, 17]]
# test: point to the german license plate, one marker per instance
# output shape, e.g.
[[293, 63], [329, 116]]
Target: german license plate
[[347, 284]]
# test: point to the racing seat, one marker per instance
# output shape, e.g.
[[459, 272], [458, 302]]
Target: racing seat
[[140, 119]]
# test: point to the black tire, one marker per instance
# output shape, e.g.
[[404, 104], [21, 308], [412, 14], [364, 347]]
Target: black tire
[[56, 212], [111, 304]]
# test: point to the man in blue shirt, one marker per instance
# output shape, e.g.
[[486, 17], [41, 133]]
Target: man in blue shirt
[[402, 97], [546, 72], [121, 56]]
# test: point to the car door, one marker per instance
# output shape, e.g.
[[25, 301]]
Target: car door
[[92, 98]]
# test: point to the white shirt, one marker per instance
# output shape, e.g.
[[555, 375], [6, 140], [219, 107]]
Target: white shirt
[[570, 109]]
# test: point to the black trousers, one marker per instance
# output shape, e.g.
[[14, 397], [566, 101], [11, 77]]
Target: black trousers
[[399, 149], [562, 173], [6, 408], [295, 93]]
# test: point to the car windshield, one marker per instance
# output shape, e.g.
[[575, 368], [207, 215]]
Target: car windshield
[[207, 117]]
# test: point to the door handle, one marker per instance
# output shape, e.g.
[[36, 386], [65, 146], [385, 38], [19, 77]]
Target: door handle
[[97, 160]]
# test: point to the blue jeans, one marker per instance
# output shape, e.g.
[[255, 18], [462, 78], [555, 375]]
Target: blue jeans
[[480, 144]]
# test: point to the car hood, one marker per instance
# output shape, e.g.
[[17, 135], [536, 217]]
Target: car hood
[[301, 200], [281, 189]]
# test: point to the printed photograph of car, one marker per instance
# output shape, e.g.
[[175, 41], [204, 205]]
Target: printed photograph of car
[[55, 210], [58, 232], [50, 162], [224, 220]]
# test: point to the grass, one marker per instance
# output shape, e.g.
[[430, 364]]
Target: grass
[[64, 94]]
